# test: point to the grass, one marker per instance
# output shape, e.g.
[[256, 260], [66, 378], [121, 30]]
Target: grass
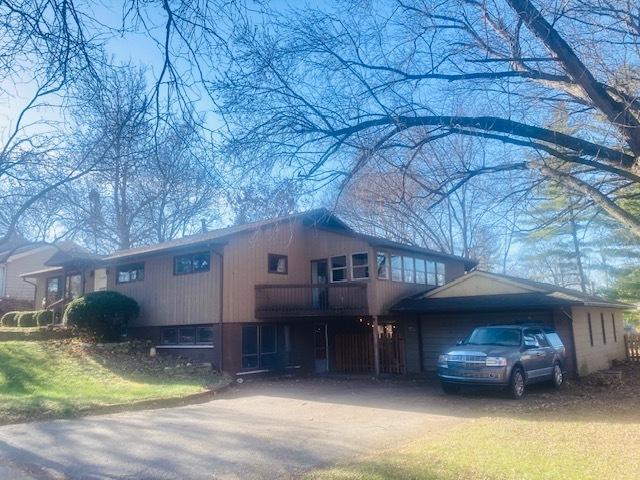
[[507, 448], [48, 379]]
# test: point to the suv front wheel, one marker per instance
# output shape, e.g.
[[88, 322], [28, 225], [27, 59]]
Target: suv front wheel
[[517, 384]]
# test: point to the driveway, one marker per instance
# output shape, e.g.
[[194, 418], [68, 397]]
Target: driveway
[[261, 429]]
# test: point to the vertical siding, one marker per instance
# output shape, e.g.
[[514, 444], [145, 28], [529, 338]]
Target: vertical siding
[[168, 299], [600, 355]]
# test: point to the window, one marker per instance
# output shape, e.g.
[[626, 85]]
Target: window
[[408, 268], [359, 265], [590, 329], [542, 340], [130, 273], [339, 268], [259, 346], [604, 331], [278, 264], [204, 335], [431, 273], [554, 339], [383, 266], [169, 336], [54, 292], [187, 335], [192, 263], [396, 268], [421, 275], [440, 274], [613, 326]]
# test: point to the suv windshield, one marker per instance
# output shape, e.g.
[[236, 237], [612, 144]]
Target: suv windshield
[[508, 337]]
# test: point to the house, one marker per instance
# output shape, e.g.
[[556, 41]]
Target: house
[[306, 292], [18, 256]]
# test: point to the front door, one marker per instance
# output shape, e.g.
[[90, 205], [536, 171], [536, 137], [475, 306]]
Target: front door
[[320, 295], [320, 347]]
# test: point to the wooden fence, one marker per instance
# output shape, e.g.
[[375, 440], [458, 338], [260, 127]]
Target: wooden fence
[[354, 353], [632, 343]]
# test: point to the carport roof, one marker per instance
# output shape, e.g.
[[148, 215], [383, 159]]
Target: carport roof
[[532, 295]]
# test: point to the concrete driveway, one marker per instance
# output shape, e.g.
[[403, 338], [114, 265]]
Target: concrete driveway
[[262, 429]]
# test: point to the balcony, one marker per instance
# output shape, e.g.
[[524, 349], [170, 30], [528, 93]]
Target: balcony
[[306, 300]]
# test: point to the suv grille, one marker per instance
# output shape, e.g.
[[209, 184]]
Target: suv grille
[[466, 361]]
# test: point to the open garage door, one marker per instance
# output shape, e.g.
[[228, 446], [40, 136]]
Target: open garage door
[[440, 331]]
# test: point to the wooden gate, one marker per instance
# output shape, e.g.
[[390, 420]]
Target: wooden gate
[[632, 343], [391, 350], [354, 352]]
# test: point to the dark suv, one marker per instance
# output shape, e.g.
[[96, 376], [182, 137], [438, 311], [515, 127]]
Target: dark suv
[[511, 356]]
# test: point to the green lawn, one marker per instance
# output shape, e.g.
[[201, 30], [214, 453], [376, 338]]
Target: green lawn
[[505, 448], [49, 379]]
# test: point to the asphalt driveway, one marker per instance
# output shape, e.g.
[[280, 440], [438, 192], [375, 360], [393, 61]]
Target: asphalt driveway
[[266, 429]]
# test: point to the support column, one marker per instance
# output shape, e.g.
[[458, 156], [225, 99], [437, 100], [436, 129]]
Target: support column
[[376, 347]]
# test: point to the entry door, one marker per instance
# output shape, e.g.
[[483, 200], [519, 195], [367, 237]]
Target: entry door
[[321, 347], [319, 277]]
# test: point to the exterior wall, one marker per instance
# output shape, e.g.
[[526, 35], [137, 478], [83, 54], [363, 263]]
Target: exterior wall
[[14, 285], [479, 285], [41, 283], [168, 299], [600, 355]]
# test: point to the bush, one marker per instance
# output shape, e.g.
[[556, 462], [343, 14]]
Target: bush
[[27, 319], [9, 319], [102, 314], [12, 305], [44, 317]]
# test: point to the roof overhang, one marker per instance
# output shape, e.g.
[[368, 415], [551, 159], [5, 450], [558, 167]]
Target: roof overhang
[[43, 271]]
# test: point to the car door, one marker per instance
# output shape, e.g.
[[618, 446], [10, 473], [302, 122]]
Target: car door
[[548, 354], [534, 356]]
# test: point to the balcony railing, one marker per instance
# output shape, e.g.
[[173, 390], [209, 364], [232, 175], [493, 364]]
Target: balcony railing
[[307, 300]]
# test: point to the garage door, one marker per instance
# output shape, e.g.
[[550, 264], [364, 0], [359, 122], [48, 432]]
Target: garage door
[[440, 331]]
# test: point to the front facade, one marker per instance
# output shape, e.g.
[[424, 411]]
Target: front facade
[[302, 293]]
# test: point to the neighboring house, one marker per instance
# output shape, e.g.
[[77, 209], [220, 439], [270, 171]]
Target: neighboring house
[[19, 256], [306, 292]]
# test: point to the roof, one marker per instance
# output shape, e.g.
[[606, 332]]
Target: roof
[[538, 295], [16, 244], [71, 253], [35, 273], [319, 217]]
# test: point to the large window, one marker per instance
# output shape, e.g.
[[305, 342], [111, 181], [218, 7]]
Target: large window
[[408, 269], [277, 264], [396, 268], [259, 346], [339, 268], [382, 266], [359, 266], [54, 289], [431, 273], [440, 274], [421, 275], [192, 263], [130, 273]]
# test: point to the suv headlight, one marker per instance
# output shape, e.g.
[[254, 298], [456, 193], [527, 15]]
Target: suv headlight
[[442, 360], [495, 362]]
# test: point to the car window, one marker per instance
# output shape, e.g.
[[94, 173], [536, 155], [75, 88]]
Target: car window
[[542, 340], [530, 338], [554, 339], [509, 337]]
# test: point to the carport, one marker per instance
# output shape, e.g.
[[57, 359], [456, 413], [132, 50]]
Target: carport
[[590, 327]]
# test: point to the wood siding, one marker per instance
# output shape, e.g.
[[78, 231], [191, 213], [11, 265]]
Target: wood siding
[[600, 355], [168, 299], [14, 286]]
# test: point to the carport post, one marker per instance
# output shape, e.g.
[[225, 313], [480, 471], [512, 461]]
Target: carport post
[[376, 347]]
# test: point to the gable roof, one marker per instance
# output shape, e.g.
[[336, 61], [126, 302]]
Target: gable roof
[[531, 294], [15, 245]]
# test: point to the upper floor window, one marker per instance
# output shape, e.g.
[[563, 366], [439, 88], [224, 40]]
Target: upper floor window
[[359, 265], [383, 266], [440, 274], [339, 268], [278, 263], [396, 268], [408, 268], [431, 273], [421, 275], [130, 273], [192, 263]]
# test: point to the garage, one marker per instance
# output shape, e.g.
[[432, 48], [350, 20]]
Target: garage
[[590, 327]]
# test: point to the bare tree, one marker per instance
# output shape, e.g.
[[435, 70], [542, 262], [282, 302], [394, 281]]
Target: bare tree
[[322, 91]]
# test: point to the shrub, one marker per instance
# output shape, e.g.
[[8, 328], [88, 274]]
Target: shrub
[[12, 305], [9, 319], [44, 317], [27, 319], [101, 314]]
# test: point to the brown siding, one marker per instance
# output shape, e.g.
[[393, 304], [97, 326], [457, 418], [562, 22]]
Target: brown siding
[[168, 299]]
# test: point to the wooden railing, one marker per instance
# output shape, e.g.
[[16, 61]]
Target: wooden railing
[[311, 300], [632, 343]]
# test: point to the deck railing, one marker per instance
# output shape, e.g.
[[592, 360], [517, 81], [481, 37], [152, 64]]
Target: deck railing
[[311, 300]]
